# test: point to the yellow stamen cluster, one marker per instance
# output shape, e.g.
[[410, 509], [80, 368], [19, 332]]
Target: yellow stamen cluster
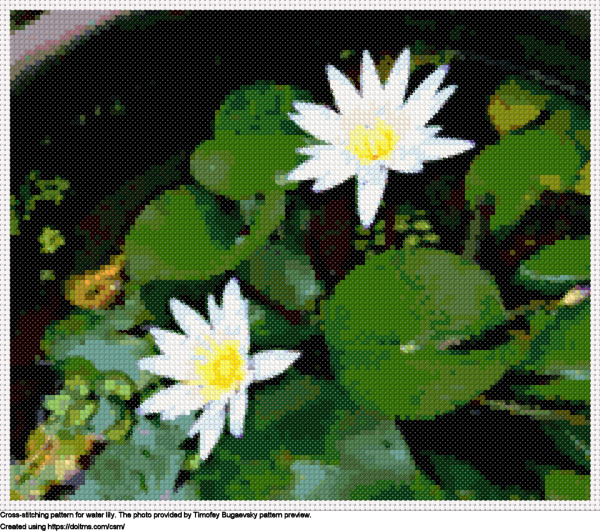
[[221, 369], [372, 143]]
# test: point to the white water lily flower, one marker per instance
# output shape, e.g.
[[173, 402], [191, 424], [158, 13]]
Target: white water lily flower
[[375, 130], [212, 365]]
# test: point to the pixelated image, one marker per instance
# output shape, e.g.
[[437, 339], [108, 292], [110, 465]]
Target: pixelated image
[[300, 255]]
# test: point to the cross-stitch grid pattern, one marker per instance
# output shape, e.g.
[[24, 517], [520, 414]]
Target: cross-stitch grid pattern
[[359, 271]]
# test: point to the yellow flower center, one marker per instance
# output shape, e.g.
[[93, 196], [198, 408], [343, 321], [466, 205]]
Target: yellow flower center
[[372, 143], [224, 369]]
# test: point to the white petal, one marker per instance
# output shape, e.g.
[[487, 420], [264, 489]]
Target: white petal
[[237, 412], [215, 312], [443, 95], [422, 104], [345, 167], [328, 166], [314, 150], [344, 92], [443, 148], [370, 187], [427, 108], [176, 367], [395, 86], [234, 324], [210, 425], [190, 321], [408, 158], [318, 120], [177, 400], [432, 130], [370, 86], [270, 363], [170, 342]]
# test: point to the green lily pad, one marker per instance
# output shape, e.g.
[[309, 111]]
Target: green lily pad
[[411, 299], [421, 384], [564, 343], [389, 320], [172, 240], [518, 169], [516, 103], [239, 167], [556, 268]]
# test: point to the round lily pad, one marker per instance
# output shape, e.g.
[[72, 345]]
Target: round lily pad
[[556, 268], [390, 320]]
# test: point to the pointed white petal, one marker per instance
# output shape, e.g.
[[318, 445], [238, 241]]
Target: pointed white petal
[[170, 342], [422, 104], [270, 363], [177, 400], [443, 148], [234, 324], [370, 187], [427, 108], [395, 87], [432, 130], [326, 165], [443, 96], [237, 412], [190, 321], [409, 157], [314, 150], [318, 120], [344, 167], [370, 86], [344, 92], [408, 164], [210, 425], [176, 367], [215, 312]]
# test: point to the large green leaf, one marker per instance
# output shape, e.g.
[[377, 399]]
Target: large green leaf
[[172, 240], [421, 384], [241, 166], [556, 268], [389, 321], [412, 299], [515, 103], [518, 169], [564, 343], [113, 354]]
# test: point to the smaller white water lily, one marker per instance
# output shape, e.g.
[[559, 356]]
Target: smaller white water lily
[[375, 130], [212, 365]]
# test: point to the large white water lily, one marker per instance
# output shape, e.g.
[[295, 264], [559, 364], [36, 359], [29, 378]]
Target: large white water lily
[[212, 365], [374, 131]]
